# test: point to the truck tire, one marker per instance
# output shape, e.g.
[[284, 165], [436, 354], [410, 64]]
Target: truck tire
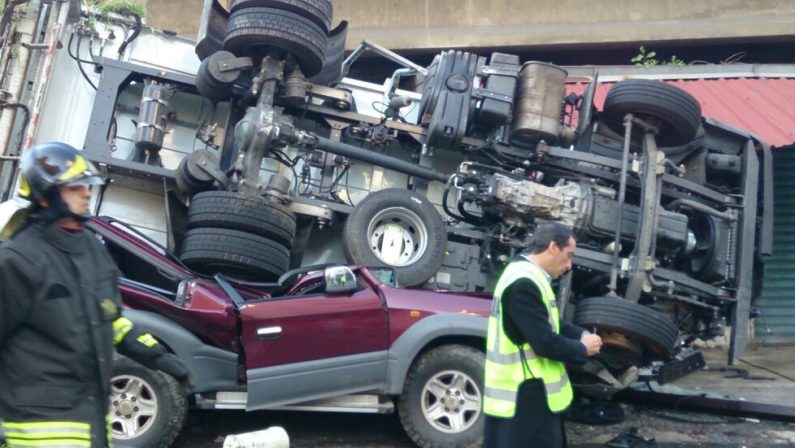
[[235, 211], [234, 253], [656, 332], [442, 400], [252, 31], [678, 113], [398, 213], [147, 407], [318, 11]]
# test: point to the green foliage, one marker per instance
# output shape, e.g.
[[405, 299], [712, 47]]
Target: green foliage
[[123, 7], [675, 61], [645, 58], [648, 59]]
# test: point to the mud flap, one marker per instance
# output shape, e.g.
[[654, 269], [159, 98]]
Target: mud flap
[[683, 364]]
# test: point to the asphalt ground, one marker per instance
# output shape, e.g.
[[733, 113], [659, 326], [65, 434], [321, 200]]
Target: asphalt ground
[[207, 429]]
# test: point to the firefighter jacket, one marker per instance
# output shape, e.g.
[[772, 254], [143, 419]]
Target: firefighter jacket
[[58, 302]]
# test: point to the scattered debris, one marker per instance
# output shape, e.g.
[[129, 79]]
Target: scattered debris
[[737, 372], [631, 439], [597, 413]]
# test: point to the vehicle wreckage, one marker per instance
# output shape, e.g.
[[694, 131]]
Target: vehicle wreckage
[[453, 166]]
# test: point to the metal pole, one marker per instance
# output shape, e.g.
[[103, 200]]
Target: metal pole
[[53, 36], [622, 194]]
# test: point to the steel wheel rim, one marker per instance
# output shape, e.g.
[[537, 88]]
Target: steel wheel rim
[[397, 236], [133, 407], [451, 401]]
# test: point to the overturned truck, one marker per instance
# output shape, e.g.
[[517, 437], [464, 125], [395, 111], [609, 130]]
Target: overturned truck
[[672, 211], [441, 173]]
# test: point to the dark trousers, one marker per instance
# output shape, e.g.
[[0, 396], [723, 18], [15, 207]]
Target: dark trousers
[[533, 426]]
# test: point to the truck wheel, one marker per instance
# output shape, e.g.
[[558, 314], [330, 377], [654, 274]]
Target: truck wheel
[[442, 399], [147, 407], [628, 327], [396, 228], [318, 11], [676, 111], [234, 253], [253, 31], [251, 214]]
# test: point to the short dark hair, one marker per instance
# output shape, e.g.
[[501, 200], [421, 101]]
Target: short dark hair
[[546, 233]]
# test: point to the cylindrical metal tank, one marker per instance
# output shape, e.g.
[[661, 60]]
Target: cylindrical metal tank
[[152, 120], [538, 104]]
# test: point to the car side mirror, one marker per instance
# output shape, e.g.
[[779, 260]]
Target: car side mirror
[[340, 279]]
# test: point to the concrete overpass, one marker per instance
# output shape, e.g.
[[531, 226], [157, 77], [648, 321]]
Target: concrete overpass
[[422, 25]]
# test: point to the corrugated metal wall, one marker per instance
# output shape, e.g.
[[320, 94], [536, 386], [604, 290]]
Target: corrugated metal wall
[[777, 324]]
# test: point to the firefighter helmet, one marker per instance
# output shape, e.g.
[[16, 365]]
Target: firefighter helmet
[[46, 166]]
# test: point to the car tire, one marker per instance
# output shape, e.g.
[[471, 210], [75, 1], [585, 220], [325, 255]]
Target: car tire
[[678, 113], [234, 253], [155, 402], [253, 31], [318, 11], [246, 213], [423, 240], [655, 331], [457, 369]]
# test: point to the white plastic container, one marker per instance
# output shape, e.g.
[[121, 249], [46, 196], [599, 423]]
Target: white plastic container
[[273, 437]]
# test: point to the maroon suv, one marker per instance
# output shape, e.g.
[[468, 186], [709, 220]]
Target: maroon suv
[[334, 338]]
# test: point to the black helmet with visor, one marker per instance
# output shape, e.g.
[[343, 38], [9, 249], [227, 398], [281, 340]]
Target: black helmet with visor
[[46, 167]]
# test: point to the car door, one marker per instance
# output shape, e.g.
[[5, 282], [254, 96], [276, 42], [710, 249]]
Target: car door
[[312, 345]]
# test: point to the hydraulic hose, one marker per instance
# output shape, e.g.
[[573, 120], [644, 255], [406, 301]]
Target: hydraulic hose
[[699, 207], [375, 158]]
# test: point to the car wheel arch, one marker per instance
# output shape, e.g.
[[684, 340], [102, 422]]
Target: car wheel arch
[[431, 332], [211, 368]]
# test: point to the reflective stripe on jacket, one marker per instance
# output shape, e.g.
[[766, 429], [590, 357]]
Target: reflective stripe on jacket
[[49, 434]]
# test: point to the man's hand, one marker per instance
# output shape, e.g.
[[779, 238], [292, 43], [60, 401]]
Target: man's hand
[[592, 343], [170, 364]]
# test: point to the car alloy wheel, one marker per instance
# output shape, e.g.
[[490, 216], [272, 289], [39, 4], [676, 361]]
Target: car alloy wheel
[[133, 407], [451, 401]]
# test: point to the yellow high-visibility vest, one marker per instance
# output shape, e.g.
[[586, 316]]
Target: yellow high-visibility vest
[[505, 370]]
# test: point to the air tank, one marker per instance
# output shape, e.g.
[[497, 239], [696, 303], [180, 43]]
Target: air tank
[[153, 117], [538, 104]]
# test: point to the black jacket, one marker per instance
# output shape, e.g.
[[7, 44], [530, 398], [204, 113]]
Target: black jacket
[[58, 300]]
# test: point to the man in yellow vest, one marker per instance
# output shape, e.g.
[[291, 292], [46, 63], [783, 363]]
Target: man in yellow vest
[[526, 385]]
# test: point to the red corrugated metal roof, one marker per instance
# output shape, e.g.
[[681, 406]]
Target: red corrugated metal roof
[[764, 106]]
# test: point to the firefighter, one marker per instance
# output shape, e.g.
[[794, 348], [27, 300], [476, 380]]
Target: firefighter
[[60, 312]]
